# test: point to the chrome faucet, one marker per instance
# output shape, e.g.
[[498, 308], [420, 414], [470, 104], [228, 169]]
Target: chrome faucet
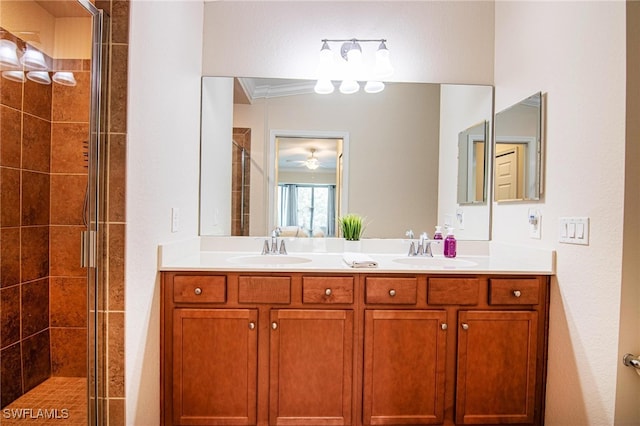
[[273, 247], [424, 245]]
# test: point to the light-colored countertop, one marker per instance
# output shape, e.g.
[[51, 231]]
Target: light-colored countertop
[[243, 254]]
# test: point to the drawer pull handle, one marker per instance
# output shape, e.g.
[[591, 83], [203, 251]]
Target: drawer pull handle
[[198, 291], [517, 293], [465, 326], [274, 325], [252, 325], [327, 292], [444, 326], [392, 292]]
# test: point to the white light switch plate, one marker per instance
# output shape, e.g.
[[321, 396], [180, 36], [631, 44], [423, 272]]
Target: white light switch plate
[[175, 219], [574, 230]]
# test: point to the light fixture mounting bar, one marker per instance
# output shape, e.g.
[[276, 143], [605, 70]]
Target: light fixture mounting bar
[[357, 40]]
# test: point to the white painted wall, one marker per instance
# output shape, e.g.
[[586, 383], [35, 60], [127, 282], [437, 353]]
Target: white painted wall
[[428, 41], [555, 47], [162, 172]]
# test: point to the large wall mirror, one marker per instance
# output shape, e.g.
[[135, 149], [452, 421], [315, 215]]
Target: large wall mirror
[[391, 157], [518, 151]]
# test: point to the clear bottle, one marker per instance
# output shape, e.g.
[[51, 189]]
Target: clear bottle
[[450, 244]]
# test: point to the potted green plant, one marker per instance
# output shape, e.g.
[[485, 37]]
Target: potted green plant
[[351, 226]]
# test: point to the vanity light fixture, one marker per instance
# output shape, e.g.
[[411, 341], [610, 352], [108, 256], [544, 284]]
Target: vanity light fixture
[[33, 61], [351, 66]]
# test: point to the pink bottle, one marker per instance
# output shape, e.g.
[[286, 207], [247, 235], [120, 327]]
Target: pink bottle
[[450, 244]]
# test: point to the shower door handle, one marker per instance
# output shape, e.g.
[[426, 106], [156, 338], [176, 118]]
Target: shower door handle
[[88, 249]]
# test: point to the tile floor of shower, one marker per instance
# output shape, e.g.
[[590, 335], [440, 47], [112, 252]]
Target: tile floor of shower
[[57, 400]]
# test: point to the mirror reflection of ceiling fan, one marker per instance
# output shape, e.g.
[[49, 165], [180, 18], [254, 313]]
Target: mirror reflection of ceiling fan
[[311, 163]]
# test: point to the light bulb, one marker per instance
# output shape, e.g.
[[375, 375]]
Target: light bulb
[[324, 87], [40, 77], [65, 78], [8, 55], [383, 66], [349, 86], [33, 60], [17, 76], [374, 87]]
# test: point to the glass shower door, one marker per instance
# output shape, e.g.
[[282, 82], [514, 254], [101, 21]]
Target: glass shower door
[[51, 133]]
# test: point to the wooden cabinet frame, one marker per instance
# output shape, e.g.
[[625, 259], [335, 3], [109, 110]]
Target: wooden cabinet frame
[[507, 330]]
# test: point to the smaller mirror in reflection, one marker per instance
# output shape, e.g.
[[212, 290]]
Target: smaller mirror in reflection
[[472, 155], [308, 186], [518, 147]]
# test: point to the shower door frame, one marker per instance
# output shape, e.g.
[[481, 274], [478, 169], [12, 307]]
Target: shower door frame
[[94, 239]]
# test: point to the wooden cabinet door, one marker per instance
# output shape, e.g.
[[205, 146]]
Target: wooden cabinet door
[[496, 367], [404, 367], [311, 367], [215, 363]]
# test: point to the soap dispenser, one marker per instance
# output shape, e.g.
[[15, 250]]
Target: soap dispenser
[[450, 244], [437, 244], [438, 234]]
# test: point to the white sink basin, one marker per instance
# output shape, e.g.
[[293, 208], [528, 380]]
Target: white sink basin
[[434, 262], [260, 259]]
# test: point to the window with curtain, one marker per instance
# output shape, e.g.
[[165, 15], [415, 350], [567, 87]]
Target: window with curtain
[[310, 207]]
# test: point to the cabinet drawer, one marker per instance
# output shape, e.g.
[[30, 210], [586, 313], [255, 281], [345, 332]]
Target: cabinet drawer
[[199, 289], [397, 291], [516, 291], [453, 291], [264, 290], [327, 289]]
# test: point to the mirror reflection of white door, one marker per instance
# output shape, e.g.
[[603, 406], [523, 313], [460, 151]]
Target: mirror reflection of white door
[[507, 173]]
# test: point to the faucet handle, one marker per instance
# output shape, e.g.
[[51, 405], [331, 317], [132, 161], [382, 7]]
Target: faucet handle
[[409, 234], [424, 236], [283, 249], [412, 249], [265, 247]]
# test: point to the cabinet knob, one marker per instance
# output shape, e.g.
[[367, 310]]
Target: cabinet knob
[[274, 325], [465, 326], [517, 293], [444, 326], [392, 292], [252, 325], [198, 291], [327, 292]]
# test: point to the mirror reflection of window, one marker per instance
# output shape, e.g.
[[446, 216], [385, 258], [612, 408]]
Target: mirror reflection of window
[[307, 210]]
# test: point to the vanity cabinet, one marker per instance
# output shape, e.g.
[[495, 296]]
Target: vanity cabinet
[[272, 349], [353, 349]]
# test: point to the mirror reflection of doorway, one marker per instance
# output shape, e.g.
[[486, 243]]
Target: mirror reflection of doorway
[[509, 171], [308, 178]]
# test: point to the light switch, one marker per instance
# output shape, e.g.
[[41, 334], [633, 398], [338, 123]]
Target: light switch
[[574, 230]]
